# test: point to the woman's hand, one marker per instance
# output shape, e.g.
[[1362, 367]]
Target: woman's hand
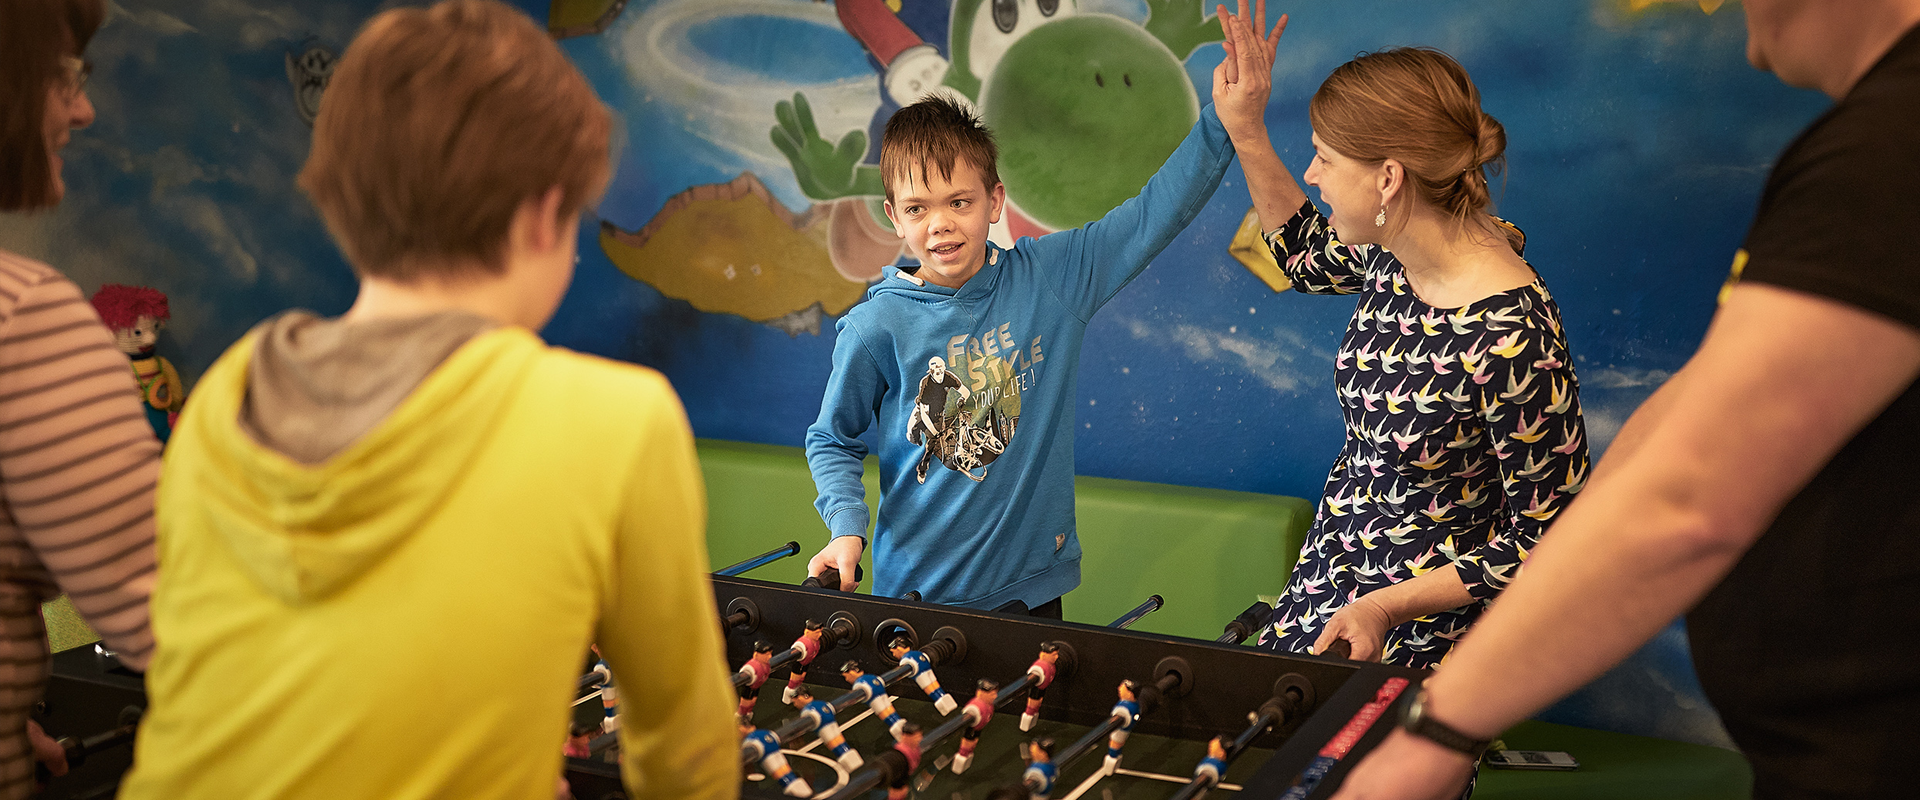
[[1244, 79], [1363, 624]]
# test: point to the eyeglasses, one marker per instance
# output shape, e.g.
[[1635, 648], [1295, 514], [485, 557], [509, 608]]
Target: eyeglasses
[[78, 70]]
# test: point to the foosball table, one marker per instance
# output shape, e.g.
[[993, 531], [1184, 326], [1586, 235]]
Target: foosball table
[[850, 696]]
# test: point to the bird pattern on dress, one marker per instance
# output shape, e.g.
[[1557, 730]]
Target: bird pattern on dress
[[1463, 441]]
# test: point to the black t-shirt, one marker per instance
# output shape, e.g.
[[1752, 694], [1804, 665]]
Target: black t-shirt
[[1810, 648]]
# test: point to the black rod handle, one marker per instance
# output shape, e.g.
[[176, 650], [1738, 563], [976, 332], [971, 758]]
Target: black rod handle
[[1253, 619], [829, 578]]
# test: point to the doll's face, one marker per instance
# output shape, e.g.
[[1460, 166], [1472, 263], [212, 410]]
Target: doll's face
[[139, 338]]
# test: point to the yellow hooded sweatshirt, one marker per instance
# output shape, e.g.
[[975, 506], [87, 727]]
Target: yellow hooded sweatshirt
[[407, 618]]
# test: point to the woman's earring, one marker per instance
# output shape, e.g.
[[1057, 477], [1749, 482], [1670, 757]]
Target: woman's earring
[[1380, 220]]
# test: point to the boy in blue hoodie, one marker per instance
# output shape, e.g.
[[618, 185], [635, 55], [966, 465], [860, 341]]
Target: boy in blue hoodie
[[964, 365]]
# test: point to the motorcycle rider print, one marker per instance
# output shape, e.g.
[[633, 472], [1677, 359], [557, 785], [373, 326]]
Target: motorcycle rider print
[[964, 430]]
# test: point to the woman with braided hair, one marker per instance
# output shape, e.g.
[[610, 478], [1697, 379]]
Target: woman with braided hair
[[1463, 430]]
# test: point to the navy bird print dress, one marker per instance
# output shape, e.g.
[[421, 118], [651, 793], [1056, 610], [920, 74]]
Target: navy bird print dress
[[1463, 441]]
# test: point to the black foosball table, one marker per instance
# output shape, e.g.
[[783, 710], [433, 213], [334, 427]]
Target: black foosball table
[[1287, 726]]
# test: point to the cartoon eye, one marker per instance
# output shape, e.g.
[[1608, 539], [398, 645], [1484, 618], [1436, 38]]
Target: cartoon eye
[[1006, 14], [1047, 7]]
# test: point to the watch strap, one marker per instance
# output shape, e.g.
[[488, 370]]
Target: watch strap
[[1417, 722]]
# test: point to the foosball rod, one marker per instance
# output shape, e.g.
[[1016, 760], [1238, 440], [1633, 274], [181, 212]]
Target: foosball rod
[[756, 562], [1126, 620], [746, 617], [77, 750], [936, 652], [1149, 700], [1253, 619], [1285, 704], [835, 631], [881, 768], [880, 772]]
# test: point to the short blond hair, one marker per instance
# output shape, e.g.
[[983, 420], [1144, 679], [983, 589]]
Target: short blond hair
[[437, 125]]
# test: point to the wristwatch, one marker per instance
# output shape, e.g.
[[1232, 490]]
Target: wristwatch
[[1414, 720]]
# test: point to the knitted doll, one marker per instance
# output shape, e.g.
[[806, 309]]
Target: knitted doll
[[135, 314]]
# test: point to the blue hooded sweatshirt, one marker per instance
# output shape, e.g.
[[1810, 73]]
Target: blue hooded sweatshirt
[[972, 393]]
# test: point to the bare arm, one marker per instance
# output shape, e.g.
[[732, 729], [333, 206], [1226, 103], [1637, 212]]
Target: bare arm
[[1276, 196], [1781, 383]]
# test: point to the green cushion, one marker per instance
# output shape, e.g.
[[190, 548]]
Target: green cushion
[[1207, 552]]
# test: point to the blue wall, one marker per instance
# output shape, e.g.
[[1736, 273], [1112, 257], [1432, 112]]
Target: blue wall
[[1639, 139]]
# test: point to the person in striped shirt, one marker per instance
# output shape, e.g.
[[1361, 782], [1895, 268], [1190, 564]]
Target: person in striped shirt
[[77, 461]]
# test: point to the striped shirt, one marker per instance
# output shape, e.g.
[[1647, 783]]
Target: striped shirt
[[78, 465]]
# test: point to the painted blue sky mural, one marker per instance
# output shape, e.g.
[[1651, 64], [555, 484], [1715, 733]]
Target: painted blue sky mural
[[1639, 139]]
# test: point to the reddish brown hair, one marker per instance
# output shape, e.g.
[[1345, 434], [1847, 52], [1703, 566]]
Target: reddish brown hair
[[1415, 105], [34, 34], [121, 306], [437, 125], [936, 133]]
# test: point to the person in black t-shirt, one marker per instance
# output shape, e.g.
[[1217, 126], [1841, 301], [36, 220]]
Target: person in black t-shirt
[[1772, 485]]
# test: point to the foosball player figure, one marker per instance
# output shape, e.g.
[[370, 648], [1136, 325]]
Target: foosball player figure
[[610, 704], [821, 712], [923, 675], [1128, 709], [1042, 670], [877, 697], [1215, 764], [808, 648], [579, 741], [757, 669], [765, 748], [976, 712], [1040, 769], [909, 746]]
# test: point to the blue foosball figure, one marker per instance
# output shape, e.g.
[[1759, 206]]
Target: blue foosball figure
[[876, 695], [765, 749], [821, 712]]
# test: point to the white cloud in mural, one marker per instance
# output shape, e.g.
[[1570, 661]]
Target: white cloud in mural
[[1271, 361], [729, 105], [1619, 378]]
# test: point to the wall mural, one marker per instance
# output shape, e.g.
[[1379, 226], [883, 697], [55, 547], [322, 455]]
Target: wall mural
[[743, 217]]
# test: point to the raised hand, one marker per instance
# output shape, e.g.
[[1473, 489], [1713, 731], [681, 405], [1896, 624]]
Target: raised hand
[[825, 171], [1244, 79]]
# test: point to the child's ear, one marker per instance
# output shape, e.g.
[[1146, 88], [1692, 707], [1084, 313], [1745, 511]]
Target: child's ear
[[999, 199], [898, 229]]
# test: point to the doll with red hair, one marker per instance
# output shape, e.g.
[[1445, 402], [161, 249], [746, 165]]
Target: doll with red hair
[[135, 314]]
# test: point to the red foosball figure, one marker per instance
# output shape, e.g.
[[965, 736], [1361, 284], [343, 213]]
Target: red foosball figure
[[808, 648], [909, 746], [757, 669], [1042, 671], [976, 713]]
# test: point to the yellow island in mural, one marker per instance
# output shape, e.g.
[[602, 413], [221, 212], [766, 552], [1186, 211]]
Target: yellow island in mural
[[731, 248]]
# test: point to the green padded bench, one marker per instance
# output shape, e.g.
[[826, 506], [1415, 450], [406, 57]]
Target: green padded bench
[[1208, 553]]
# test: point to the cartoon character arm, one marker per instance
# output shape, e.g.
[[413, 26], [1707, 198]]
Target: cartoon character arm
[[1542, 456], [657, 587], [176, 391], [1102, 257], [825, 171], [834, 450], [1182, 25], [1315, 261]]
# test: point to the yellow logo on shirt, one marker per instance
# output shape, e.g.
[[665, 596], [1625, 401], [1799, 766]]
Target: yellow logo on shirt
[[1733, 278]]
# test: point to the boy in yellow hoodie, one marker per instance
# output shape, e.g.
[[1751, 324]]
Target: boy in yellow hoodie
[[417, 515]]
